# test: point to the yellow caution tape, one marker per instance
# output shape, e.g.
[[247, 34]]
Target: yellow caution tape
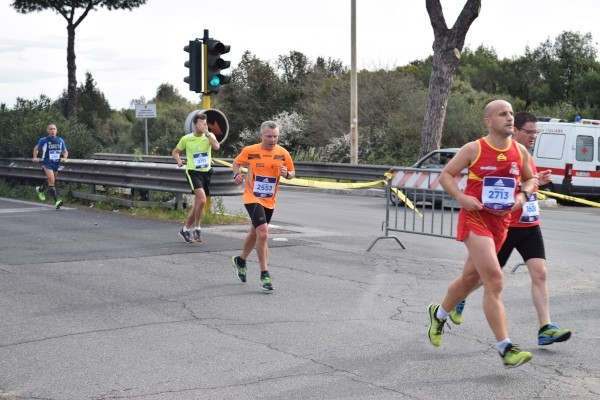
[[570, 198], [406, 200], [337, 185]]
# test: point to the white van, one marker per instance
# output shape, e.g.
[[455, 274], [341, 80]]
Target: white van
[[571, 151]]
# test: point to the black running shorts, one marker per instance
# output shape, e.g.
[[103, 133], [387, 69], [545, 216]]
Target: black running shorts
[[259, 214], [528, 242], [199, 180]]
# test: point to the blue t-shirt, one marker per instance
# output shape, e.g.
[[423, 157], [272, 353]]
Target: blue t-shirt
[[52, 147]]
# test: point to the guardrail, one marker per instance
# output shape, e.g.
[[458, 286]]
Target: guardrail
[[337, 171], [139, 176], [142, 174]]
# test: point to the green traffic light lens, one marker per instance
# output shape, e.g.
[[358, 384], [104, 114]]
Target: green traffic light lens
[[215, 81]]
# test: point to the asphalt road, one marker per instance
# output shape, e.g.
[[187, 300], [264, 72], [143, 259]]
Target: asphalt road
[[96, 305]]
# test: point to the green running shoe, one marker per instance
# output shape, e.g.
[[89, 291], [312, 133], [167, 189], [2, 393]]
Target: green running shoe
[[456, 313], [436, 327], [265, 283], [551, 333], [58, 204], [514, 356], [41, 194], [240, 270]]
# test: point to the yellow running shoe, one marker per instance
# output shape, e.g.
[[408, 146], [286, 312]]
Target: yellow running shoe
[[514, 356], [436, 327]]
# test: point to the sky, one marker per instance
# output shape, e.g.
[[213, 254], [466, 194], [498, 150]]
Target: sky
[[131, 53]]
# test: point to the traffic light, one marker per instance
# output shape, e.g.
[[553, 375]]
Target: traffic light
[[194, 79], [215, 64]]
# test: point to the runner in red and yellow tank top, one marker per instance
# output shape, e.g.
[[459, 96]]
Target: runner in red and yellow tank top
[[495, 165], [529, 215], [493, 179]]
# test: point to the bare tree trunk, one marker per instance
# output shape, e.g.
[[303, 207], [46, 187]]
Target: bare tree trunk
[[447, 47], [71, 73]]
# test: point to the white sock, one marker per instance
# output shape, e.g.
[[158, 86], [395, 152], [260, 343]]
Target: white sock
[[197, 228], [502, 345], [441, 314], [185, 228]]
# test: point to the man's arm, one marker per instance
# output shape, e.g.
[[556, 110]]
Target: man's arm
[[455, 166], [175, 153], [529, 180], [238, 177], [213, 141]]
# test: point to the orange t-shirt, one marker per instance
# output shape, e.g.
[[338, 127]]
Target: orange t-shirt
[[262, 180]]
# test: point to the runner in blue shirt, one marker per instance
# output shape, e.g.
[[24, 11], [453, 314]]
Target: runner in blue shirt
[[54, 151]]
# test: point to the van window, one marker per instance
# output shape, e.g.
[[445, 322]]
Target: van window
[[550, 145], [584, 148]]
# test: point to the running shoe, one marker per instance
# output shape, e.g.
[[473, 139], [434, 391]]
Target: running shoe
[[265, 283], [58, 204], [514, 356], [186, 236], [240, 270], [551, 333], [456, 313], [40, 193], [436, 327], [197, 235]]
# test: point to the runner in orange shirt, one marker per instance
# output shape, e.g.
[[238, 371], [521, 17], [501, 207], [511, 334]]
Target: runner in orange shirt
[[267, 162]]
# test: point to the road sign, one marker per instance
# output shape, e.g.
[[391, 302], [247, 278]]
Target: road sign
[[145, 110]]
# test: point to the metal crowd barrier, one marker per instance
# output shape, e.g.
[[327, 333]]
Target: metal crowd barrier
[[425, 210], [138, 176]]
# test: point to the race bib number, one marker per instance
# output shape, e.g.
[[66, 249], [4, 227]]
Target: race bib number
[[54, 155], [498, 193], [531, 210], [264, 186], [201, 160]]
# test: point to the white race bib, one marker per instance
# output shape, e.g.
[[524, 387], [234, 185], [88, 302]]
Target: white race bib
[[264, 186], [531, 210], [498, 193], [201, 160], [54, 155]]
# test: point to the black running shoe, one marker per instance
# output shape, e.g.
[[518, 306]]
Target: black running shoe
[[239, 269], [265, 283], [186, 235], [197, 235]]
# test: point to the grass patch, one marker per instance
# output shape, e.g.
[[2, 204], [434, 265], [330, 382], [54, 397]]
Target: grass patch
[[216, 216]]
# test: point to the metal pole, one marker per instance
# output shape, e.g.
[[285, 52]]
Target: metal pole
[[206, 106], [146, 135], [353, 92]]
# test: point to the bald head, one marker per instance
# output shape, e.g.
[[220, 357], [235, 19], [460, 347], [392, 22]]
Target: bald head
[[498, 118], [494, 105]]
